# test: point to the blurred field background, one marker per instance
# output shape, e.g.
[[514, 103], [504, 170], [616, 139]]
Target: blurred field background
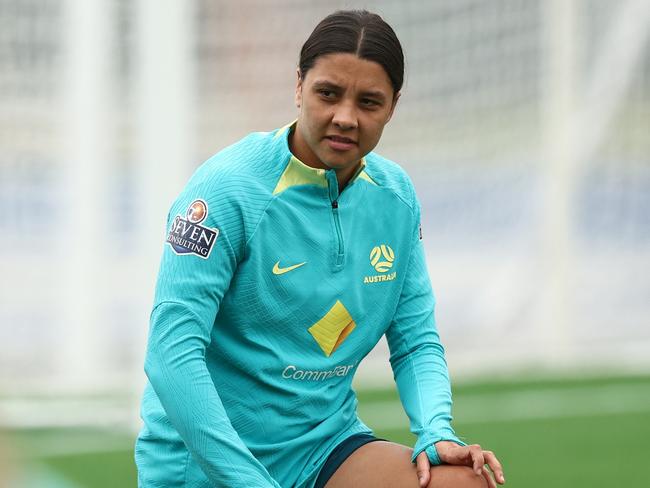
[[525, 126], [574, 432]]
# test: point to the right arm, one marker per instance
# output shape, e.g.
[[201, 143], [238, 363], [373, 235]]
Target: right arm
[[188, 294]]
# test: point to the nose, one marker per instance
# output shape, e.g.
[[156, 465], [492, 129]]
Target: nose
[[345, 116]]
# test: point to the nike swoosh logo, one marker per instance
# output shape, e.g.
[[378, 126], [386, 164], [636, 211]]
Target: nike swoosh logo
[[278, 270]]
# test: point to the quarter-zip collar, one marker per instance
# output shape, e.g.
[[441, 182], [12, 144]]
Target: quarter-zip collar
[[332, 185], [298, 173]]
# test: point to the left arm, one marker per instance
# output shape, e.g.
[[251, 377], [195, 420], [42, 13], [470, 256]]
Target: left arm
[[417, 356], [420, 370]]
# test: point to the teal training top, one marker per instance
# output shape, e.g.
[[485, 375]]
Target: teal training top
[[272, 288]]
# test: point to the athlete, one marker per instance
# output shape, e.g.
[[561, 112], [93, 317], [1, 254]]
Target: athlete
[[288, 256]]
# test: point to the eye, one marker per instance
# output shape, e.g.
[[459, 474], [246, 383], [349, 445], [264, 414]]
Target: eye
[[369, 102], [329, 94]]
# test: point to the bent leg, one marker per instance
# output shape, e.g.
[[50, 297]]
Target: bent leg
[[383, 464]]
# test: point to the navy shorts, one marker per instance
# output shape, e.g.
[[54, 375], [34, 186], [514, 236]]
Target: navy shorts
[[340, 454]]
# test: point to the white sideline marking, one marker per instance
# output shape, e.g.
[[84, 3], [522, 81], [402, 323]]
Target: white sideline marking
[[61, 445], [41, 477], [33, 413], [469, 408], [532, 404]]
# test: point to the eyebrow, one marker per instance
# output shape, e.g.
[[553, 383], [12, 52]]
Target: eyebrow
[[331, 85]]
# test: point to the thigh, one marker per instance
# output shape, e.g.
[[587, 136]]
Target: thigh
[[382, 464]]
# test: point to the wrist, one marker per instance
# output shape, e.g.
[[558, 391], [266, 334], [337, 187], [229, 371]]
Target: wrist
[[442, 444], [432, 454]]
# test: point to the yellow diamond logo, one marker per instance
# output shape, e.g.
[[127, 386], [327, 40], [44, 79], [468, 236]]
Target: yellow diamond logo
[[333, 329]]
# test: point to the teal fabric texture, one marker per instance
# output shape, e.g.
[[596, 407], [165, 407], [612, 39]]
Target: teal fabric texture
[[272, 288]]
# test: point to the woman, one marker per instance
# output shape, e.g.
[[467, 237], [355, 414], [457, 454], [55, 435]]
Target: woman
[[289, 255]]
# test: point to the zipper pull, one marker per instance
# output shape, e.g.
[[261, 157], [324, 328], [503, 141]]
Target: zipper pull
[[335, 204]]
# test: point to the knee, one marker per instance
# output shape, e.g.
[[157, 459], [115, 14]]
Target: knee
[[456, 477]]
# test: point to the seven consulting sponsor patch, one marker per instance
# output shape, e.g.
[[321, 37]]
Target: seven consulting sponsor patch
[[187, 236]]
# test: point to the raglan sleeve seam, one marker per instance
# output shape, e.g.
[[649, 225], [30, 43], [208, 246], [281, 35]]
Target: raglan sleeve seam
[[259, 221]]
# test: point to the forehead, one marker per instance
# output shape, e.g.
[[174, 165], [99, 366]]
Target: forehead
[[347, 70]]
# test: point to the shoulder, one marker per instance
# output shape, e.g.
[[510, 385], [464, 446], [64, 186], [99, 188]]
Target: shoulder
[[235, 186], [245, 172], [391, 177], [252, 164]]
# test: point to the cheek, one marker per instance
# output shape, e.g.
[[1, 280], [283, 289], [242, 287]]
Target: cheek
[[373, 130], [371, 136], [316, 108], [310, 130], [316, 119]]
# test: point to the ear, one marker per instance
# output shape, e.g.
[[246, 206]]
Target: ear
[[394, 104], [298, 97]]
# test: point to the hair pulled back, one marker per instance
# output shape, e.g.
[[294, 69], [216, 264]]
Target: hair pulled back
[[356, 32]]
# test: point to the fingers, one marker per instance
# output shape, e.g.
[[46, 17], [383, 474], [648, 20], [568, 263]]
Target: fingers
[[473, 456], [494, 464], [423, 467], [488, 478], [476, 453], [479, 458]]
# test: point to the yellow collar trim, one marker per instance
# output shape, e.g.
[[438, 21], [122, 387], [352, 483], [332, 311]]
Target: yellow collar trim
[[298, 173]]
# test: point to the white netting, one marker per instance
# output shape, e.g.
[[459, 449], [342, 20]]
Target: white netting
[[521, 279]]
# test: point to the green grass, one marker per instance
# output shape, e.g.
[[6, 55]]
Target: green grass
[[560, 447], [93, 458], [607, 451], [106, 470], [600, 451]]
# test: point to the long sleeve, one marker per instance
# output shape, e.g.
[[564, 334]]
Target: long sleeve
[[417, 356], [199, 260]]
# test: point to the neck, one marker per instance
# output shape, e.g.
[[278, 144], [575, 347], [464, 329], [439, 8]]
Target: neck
[[307, 157], [344, 175]]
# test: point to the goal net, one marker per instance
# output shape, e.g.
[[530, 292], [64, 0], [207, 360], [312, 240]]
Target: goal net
[[524, 125]]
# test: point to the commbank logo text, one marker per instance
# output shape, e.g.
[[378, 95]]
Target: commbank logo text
[[292, 372]]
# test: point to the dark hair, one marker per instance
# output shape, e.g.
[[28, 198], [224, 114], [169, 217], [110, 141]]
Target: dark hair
[[357, 32]]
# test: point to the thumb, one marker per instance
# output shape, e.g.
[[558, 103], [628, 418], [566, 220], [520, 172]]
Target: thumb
[[423, 469]]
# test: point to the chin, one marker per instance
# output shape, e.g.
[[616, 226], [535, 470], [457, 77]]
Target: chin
[[339, 163]]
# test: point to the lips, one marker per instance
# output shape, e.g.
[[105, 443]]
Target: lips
[[340, 143], [335, 138]]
